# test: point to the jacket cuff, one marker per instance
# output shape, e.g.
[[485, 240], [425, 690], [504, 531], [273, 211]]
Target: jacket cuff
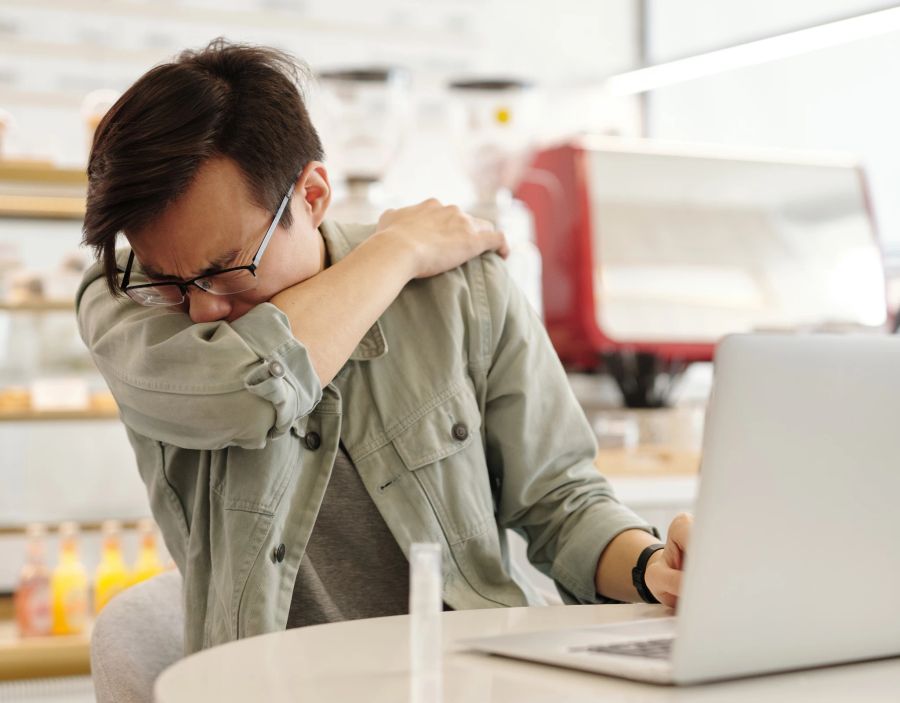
[[575, 566], [285, 376]]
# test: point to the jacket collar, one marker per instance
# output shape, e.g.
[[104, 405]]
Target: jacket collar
[[340, 240]]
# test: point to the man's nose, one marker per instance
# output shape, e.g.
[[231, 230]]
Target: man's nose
[[206, 307]]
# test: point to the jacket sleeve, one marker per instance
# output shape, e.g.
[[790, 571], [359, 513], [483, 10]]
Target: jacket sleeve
[[197, 386], [543, 448]]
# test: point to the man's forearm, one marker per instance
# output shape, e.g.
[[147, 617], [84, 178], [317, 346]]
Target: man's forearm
[[332, 311], [617, 561]]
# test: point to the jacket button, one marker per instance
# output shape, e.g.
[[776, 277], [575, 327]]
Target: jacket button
[[313, 441], [278, 554], [460, 431], [276, 369]]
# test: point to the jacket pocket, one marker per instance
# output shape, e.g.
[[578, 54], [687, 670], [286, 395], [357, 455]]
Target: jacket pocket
[[441, 446], [254, 480]]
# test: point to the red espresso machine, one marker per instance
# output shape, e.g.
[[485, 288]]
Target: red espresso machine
[[653, 252]]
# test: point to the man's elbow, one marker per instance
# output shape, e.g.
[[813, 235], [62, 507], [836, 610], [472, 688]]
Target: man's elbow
[[247, 422]]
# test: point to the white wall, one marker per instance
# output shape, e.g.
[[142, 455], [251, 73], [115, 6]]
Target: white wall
[[842, 98], [52, 52], [688, 27]]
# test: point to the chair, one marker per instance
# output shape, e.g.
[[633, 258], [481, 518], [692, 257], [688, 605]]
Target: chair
[[137, 635]]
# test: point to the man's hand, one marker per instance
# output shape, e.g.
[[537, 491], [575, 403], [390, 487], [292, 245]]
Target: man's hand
[[439, 238], [664, 573]]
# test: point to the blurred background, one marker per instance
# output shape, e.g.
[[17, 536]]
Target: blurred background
[[667, 173]]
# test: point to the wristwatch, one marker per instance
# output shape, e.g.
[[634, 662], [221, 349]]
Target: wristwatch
[[637, 573]]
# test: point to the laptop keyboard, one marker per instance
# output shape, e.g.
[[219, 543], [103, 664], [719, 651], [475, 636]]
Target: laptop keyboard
[[651, 649]]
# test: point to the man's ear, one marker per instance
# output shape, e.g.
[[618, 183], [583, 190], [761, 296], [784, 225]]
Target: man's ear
[[313, 191]]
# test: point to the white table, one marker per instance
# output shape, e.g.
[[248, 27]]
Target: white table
[[368, 661]]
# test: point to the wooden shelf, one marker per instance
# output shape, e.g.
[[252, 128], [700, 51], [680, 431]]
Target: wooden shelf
[[40, 306], [41, 190], [43, 172], [42, 207], [13, 530], [40, 657], [56, 415]]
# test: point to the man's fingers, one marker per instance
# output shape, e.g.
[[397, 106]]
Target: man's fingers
[[678, 538], [668, 580], [664, 582], [482, 225], [668, 600], [498, 243]]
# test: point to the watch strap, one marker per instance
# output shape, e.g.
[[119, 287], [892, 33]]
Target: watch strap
[[639, 570]]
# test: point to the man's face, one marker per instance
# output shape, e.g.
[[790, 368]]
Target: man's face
[[215, 224]]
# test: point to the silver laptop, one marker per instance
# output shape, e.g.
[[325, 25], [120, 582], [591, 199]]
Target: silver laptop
[[795, 556]]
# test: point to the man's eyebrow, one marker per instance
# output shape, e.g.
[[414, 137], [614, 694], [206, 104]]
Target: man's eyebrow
[[221, 262]]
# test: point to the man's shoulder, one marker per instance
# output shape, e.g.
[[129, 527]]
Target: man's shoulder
[[343, 237], [480, 287]]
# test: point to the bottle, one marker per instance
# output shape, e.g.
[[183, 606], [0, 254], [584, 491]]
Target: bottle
[[112, 574], [32, 599], [69, 585], [148, 563]]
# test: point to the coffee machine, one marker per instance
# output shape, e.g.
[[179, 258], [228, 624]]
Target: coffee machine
[[654, 251]]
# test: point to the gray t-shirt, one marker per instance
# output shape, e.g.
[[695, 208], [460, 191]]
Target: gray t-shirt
[[353, 567]]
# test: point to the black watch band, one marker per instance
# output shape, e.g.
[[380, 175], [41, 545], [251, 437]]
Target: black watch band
[[637, 573]]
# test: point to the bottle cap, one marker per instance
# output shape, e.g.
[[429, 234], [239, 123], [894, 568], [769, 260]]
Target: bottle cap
[[36, 530], [68, 529], [111, 528], [145, 525]]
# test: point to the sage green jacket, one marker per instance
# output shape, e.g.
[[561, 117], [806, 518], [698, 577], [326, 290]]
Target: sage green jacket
[[454, 409]]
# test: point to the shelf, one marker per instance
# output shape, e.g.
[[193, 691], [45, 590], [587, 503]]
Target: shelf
[[13, 530], [40, 190], [44, 172], [40, 657], [56, 415], [39, 306], [46, 207]]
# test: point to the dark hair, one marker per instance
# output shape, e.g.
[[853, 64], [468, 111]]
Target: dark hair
[[237, 101]]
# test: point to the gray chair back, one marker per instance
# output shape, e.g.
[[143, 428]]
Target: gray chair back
[[137, 635]]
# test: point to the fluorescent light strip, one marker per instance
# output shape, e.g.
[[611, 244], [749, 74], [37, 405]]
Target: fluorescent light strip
[[756, 52]]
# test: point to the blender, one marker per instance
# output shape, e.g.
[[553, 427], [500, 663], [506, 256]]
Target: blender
[[494, 140], [365, 111]]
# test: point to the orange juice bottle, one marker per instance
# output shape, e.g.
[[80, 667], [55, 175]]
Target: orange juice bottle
[[112, 575], [32, 600], [69, 585], [148, 562]]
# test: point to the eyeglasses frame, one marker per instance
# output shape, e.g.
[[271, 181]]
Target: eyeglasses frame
[[184, 285]]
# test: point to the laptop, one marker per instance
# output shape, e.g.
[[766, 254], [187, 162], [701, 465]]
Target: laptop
[[794, 559]]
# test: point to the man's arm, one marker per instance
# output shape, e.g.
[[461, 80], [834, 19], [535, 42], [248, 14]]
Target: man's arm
[[664, 570], [539, 440], [211, 385], [414, 242]]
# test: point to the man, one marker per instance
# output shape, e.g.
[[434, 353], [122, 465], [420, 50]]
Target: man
[[307, 399]]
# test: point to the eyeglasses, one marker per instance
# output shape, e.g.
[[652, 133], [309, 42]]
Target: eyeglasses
[[225, 282]]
